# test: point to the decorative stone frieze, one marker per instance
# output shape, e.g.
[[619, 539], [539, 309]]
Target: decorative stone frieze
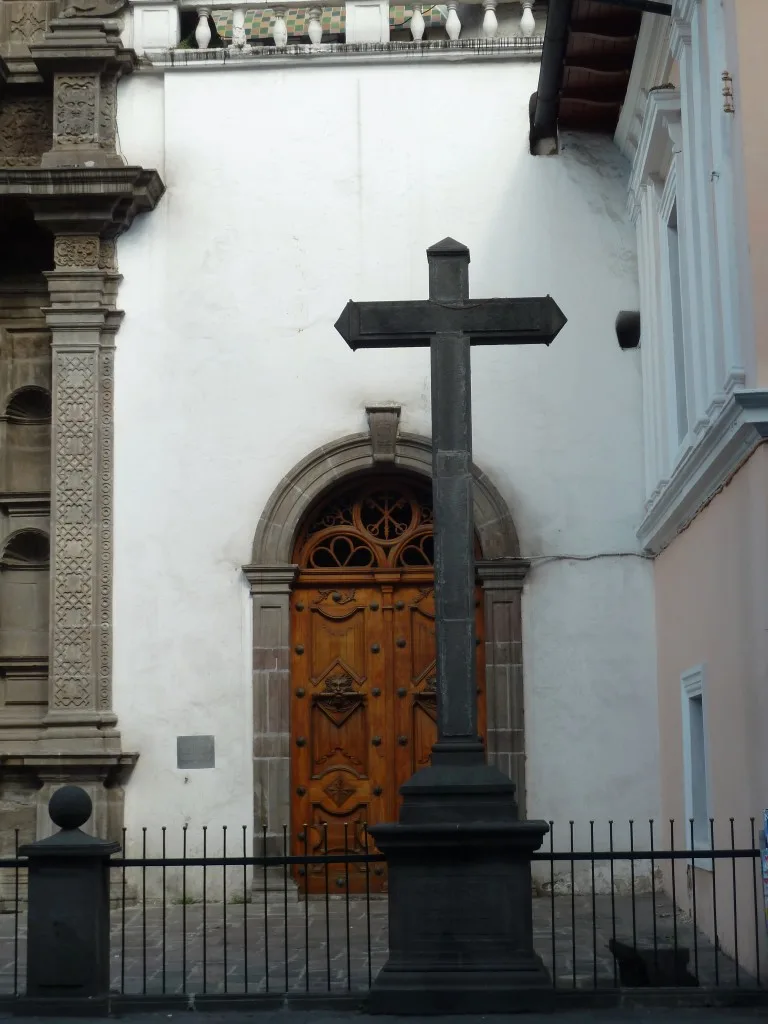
[[85, 252], [26, 125], [77, 251]]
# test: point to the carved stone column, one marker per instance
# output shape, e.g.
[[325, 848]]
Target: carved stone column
[[502, 581], [83, 322]]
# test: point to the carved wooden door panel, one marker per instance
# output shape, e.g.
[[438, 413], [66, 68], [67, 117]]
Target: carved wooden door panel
[[339, 728], [363, 703], [415, 705]]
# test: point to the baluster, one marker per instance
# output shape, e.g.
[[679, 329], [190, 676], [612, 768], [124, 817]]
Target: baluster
[[315, 25], [452, 23], [490, 21], [280, 29], [527, 24], [239, 42], [203, 29], [417, 23]]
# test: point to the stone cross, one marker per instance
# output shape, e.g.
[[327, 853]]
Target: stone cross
[[449, 322]]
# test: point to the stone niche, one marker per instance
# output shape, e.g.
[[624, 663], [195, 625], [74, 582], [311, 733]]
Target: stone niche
[[24, 596], [28, 441]]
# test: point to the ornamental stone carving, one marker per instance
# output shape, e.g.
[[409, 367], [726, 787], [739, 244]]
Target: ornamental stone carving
[[75, 384], [75, 105], [25, 131], [106, 428], [108, 254], [107, 112], [81, 251], [27, 22]]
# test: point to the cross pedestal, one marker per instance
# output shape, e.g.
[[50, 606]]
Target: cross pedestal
[[459, 858]]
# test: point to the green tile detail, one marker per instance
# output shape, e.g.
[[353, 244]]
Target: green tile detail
[[258, 24]]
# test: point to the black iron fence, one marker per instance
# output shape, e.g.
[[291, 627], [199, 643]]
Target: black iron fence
[[13, 922], [199, 914]]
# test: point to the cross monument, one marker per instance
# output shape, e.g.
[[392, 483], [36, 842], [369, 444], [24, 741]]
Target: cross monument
[[460, 904]]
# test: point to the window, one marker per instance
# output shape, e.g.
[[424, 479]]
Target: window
[[695, 758]]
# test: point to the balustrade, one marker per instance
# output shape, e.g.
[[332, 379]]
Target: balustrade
[[306, 18]]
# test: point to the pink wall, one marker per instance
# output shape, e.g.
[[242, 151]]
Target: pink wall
[[746, 31], [712, 609]]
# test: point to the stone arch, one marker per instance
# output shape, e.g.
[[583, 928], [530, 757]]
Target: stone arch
[[271, 576], [328, 466]]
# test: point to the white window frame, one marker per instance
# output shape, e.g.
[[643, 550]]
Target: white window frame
[[673, 317], [657, 163], [693, 688]]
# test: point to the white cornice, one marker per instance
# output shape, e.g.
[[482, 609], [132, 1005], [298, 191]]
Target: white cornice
[[649, 68], [657, 139], [682, 10], [679, 39], [741, 426]]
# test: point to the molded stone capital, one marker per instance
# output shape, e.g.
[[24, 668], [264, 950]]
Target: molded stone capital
[[503, 573], [271, 579]]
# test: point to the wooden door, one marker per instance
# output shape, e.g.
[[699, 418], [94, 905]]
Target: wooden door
[[414, 679], [338, 727], [363, 701]]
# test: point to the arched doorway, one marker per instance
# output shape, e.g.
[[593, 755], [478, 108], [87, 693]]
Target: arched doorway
[[272, 577], [363, 701]]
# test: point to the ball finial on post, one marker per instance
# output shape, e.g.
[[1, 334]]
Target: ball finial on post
[[70, 807]]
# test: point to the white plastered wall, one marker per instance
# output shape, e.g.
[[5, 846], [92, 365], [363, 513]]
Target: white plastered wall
[[290, 191]]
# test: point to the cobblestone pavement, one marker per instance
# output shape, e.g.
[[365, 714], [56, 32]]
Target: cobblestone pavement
[[234, 948], [637, 1015]]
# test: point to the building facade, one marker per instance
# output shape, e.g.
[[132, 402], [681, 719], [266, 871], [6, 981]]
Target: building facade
[[208, 458], [691, 124]]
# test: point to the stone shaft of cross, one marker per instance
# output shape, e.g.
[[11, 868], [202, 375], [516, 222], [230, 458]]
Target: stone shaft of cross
[[450, 323], [454, 521]]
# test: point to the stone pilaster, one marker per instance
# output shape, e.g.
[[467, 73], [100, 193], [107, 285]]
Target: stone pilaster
[[271, 595], [58, 157], [84, 58], [83, 320], [502, 581]]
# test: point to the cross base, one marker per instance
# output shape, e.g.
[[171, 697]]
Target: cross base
[[425, 991], [460, 906]]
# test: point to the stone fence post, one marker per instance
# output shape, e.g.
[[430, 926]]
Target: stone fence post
[[68, 913]]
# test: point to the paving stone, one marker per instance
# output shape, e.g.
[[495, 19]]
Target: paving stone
[[198, 948]]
